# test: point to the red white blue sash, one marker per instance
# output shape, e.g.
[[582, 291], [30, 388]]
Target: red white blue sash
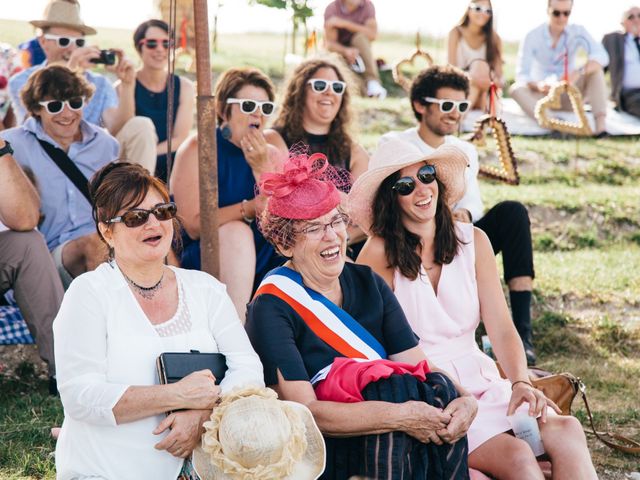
[[329, 322]]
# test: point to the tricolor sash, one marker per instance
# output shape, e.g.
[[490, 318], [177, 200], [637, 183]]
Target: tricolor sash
[[329, 322]]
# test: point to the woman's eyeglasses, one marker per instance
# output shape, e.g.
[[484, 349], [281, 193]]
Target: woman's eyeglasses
[[152, 43], [64, 42], [447, 106], [139, 216], [405, 185], [480, 9], [56, 106], [558, 13], [249, 106], [317, 230], [320, 86]]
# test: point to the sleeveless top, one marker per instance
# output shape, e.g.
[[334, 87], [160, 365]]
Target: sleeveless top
[[465, 54], [317, 144]]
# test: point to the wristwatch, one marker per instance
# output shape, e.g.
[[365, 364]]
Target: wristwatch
[[6, 149]]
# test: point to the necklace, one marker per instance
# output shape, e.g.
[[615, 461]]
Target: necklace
[[145, 292]]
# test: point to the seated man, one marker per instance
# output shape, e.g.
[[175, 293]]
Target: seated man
[[624, 65], [25, 263], [349, 28], [54, 97], [62, 39], [541, 64]]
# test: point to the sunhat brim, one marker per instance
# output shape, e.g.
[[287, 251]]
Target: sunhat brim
[[85, 29]]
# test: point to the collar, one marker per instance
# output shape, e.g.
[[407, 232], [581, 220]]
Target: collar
[[32, 125]]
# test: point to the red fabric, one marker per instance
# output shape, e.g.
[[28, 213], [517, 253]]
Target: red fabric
[[348, 377]]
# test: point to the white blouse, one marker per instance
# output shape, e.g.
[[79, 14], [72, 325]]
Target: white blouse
[[104, 343]]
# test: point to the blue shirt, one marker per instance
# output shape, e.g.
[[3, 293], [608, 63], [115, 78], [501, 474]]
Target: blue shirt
[[104, 96], [67, 212], [538, 60]]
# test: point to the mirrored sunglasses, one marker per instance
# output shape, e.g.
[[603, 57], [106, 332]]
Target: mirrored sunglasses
[[64, 42], [480, 9], [139, 216], [557, 13], [447, 106], [56, 106], [248, 106], [405, 185], [317, 230], [320, 86], [152, 43]]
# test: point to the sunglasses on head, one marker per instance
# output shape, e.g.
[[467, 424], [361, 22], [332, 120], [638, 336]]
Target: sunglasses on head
[[320, 86], [248, 106], [139, 216], [405, 185], [447, 106], [152, 43], [56, 106], [480, 9], [64, 41], [557, 13]]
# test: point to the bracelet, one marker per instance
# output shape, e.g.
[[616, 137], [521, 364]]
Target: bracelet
[[243, 212], [521, 381]]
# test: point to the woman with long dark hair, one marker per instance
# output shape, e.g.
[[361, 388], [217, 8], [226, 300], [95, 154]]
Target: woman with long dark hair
[[475, 46]]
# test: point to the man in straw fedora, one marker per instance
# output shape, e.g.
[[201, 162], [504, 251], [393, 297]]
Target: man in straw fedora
[[62, 37]]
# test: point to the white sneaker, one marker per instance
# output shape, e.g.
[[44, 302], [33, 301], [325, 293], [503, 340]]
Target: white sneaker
[[374, 89]]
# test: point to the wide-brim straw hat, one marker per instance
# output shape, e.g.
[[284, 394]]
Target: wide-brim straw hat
[[395, 154], [63, 14], [252, 435]]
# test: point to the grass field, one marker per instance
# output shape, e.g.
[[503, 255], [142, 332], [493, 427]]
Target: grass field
[[584, 203]]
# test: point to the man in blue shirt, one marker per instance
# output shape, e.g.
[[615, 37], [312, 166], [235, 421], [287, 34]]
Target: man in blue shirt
[[63, 40], [624, 52], [541, 63], [54, 97]]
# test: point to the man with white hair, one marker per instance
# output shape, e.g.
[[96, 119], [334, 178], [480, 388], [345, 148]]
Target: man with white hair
[[624, 64]]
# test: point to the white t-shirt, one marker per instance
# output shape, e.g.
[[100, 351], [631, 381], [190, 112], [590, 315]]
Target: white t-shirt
[[104, 343], [471, 201]]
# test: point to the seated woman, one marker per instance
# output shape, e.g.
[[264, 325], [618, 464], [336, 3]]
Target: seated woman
[[475, 47], [445, 277], [113, 324], [312, 317], [151, 40], [244, 98], [316, 111]]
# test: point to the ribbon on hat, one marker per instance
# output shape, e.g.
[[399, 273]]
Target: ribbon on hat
[[297, 170]]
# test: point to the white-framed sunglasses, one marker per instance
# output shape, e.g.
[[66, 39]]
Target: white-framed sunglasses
[[319, 85], [64, 40], [447, 105], [480, 9], [248, 106], [55, 106]]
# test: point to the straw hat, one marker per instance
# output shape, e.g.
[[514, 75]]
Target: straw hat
[[394, 155], [254, 436], [64, 14]]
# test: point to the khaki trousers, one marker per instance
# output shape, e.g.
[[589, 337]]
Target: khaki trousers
[[27, 267], [363, 44], [592, 86], [138, 142]]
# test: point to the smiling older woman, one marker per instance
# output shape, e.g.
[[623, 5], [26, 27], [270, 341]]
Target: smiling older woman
[[331, 336], [113, 324]]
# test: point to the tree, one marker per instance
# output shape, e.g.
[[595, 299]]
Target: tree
[[301, 12]]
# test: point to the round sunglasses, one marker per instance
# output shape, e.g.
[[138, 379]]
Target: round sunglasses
[[447, 106], [55, 106], [405, 185], [139, 216], [248, 106], [64, 42], [152, 43], [320, 86]]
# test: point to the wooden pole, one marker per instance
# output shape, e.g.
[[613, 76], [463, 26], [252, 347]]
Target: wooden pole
[[207, 148]]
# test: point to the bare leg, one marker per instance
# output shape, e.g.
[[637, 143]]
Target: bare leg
[[514, 461], [480, 74], [520, 284], [237, 263], [84, 254]]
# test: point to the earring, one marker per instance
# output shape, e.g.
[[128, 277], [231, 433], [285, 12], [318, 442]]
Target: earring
[[225, 131]]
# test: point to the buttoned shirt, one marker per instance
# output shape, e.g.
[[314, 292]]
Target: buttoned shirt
[[631, 78], [539, 60], [67, 213], [104, 96]]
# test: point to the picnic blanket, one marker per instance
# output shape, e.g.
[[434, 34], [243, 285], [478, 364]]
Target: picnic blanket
[[13, 328], [518, 123]]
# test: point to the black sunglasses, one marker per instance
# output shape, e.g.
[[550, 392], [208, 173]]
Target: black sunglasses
[[139, 216], [153, 43], [405, 185], [320, 86], [557, 13]]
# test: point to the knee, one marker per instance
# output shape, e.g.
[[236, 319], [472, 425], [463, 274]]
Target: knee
[[27, 244], [517, 90], [480, 74], [562, 431], [136, 126], [514, 211]]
